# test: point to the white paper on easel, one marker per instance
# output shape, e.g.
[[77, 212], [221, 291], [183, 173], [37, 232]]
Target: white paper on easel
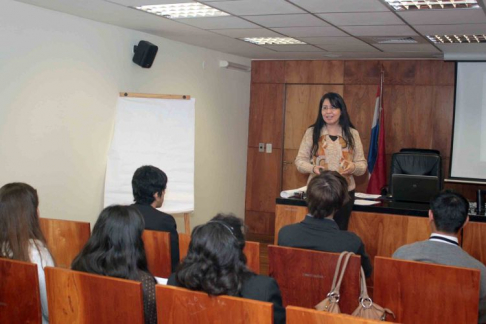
[[158, 132]]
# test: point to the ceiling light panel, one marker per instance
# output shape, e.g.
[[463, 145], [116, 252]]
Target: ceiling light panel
[[273, 41], [183, 10], [457, 39], [399, 5]]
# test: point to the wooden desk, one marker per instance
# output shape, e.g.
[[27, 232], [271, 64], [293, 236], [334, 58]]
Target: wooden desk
[[385, 228]]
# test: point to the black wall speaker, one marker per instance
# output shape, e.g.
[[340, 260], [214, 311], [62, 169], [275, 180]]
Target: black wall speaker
[[144, 54]]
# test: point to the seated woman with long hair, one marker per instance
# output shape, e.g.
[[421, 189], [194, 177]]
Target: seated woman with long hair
[[116, 249], [20, 235], [215, 264]]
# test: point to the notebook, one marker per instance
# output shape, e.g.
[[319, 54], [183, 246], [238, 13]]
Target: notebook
[[414, 188]]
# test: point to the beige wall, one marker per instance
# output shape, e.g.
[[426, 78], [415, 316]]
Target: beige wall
[[59, 80]]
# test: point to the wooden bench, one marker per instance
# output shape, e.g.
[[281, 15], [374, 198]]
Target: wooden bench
[[252, 251], [19, 293], [181, 306], [419, 292], [305, 276], [157, 250], [79, 298], [299, 315], [65, 239]]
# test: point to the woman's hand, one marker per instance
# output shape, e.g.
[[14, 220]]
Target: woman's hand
[[317, 169], [347, 168]]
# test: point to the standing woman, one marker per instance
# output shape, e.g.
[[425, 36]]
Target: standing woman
[[116, 249], [332, 143], [20, 235]]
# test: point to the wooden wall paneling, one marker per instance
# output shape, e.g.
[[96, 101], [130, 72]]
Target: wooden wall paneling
[[398, 103], [260, 222], [435, 73], [442, 118], [362, 73], [474, 240], [301, 107], [266, 114], [314, 72], [268, 71], [468, 190], [263, 179], [291, 177], [382, 234], [399, 72]]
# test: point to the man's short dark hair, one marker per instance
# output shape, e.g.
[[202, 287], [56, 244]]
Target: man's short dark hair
[[326, 194], [450, 211], [147, 181]]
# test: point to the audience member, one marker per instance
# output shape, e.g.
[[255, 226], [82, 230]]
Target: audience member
[[326, 194], [20, 235], [448, 214], [215, 264], [148, 184], [116, 249]]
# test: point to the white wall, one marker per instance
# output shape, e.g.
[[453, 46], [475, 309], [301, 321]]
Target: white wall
[[59, 80]]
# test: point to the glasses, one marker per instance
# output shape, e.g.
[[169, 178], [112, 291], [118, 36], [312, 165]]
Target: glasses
[[331, 108]]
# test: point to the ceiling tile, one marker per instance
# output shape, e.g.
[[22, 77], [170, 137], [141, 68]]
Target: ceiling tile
[[247, 32], [256, 7], [310, 31], [296, 20], [293, 48], [449, 16], [360, 19], [349, 48], [407, 48], [217, 22], [331, 40], [469, 29], [138, 3], [379, 30], [323, 6]]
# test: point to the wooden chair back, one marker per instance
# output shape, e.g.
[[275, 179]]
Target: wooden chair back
[[19, 293], [252, 251], [299, 315], [181, 306], [157, 249], [305, 276], [79, 298], [65, 239], [419, 292]]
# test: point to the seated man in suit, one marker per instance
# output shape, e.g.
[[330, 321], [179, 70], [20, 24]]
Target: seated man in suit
[[148, 185], [448, 214], [326, 194]]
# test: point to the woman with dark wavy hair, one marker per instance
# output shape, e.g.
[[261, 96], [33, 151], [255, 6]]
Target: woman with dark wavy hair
[[333, 143], [20, 235], [116, 249], [215, 264]]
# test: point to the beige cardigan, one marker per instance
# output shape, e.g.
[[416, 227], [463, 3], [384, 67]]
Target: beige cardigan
[[330, 154]]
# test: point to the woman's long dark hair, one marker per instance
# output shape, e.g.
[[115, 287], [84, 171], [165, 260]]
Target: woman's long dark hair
[[19, 221], [215, 262], [344, 121], [115, 247]]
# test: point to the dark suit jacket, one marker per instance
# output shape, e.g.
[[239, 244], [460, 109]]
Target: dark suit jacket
[[156, 220], [260, 288], [323, 235]]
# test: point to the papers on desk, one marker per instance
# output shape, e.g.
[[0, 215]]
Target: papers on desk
[[362, 202], [161, 281], [290, 193], [366, 196]]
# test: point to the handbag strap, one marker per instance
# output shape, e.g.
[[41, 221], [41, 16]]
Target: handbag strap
[[336, 271], [347, 256], [364, 289]]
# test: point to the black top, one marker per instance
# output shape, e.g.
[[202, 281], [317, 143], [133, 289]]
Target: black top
[[257, 287], [156, 220], [323, 235]]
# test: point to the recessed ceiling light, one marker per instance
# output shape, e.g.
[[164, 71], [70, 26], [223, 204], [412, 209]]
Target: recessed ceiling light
[[395, 40], [457, 39], [183, 10], [431, 4], [273, 41]]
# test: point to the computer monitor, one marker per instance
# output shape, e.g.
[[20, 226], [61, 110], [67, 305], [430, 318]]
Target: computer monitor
[[414, 188]]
